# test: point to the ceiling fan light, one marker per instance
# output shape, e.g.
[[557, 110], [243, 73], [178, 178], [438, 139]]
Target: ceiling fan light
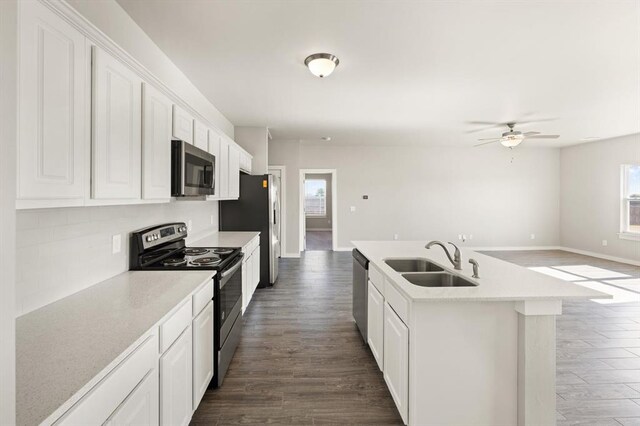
[[321, 64], [511, 141]]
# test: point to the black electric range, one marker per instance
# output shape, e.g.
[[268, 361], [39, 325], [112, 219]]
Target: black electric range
[[162, 248]]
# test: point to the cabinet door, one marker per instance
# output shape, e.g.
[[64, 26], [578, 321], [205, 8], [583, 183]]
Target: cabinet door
[[182, 124], [396, 359], [202, 353], [117, 113], [256, 268], [141, 408], [156, 144], [375, 324], [51, 105], [176, 382], [234, 171], [214, 148], [245, 284], [200, 135], [224, 168]]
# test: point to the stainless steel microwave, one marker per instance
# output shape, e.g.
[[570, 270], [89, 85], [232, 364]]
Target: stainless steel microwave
[[192, 170]]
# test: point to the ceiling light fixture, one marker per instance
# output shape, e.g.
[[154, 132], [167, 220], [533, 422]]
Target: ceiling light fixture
[[321, 64], [512, 139], [326, 138]]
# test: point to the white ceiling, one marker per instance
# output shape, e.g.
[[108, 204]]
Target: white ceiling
[[410, 71]]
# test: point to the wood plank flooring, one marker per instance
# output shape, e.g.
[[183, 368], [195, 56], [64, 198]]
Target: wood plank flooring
[[598, 357], [319, 240], [301, 359]]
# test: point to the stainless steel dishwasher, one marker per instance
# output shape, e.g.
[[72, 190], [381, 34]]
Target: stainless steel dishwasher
[[360, 282]]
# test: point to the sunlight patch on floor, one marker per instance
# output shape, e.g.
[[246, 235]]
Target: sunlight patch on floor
[[591, 272], [619, 295], [556, 274]]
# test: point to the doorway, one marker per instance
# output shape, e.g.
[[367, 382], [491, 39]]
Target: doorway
[[318, 210]]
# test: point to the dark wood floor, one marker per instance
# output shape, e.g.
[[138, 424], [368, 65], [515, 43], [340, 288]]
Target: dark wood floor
[[319, 240], [598, 358], [301, 359]]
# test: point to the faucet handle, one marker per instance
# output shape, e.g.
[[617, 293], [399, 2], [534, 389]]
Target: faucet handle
[[475, 268]]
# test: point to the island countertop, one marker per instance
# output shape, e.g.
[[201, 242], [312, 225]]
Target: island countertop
[[499, 280]]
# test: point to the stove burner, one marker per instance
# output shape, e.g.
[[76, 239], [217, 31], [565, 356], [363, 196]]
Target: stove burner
[[195, 251], [206, 261], [174, 262], [222, 251]]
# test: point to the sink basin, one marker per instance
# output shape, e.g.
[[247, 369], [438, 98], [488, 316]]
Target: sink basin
[[438, 280], [413, 265]]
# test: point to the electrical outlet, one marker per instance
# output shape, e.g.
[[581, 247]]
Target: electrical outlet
[[189, 225], [212, 217], [460, 237], [464, 238], [605, 243], [533, 236], [353, 209], [116, 243], [395, 236]]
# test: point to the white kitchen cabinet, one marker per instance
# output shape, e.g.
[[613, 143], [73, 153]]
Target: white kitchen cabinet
[[176, 378], [202, 353], [396, 360], [141, 408], [224, 168], [116, 142], [182, 124], [156, 144], [200, 135], [245, 162], [51, 103], [214, 148], [256, 267], [234, 171], [375, 324]]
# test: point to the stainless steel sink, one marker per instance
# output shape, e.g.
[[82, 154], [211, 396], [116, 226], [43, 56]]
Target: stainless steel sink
[[413, 265], [438, 280]]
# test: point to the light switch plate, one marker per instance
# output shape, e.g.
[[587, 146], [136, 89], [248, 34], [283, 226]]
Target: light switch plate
[[116, 243], [353, 209]]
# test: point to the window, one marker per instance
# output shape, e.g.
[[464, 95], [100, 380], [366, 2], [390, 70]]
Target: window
[[315, 197], [630, 211]]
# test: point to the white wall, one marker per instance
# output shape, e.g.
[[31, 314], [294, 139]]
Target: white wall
[[111, 19], [436, 192], [255, 140], [62, 251], [8, 74], [590, 207]]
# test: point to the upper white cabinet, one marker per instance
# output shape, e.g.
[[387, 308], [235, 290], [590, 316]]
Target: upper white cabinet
[[200, 135], [116, 141], [224, 169], [156, 144], [396, 360], [51, 104], [234, 171], [176, 381], [214, 148], [182, 125], [202, 353], [245, 162]]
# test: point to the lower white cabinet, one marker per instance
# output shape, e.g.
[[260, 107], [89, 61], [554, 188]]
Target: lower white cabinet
[[250, 271], [176, 382], [202, 353], [396, 359], [375, 324], [256, 267], [141, 408]]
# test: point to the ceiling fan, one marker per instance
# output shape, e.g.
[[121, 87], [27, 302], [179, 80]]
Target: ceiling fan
[[513, 138]]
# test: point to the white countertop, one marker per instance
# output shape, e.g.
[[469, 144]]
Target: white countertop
[[223, 239], [499, 280], [61, 347]]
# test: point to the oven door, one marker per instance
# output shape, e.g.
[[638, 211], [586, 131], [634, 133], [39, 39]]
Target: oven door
[[230, 297], [193, 170]]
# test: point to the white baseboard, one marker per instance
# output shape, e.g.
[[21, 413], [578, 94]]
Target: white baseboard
[[602, 256], [290, 255], [521, 248]]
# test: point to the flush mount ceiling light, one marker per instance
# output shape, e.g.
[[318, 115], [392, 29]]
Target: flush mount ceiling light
[[326, 138], [321, 64], [512, 139]]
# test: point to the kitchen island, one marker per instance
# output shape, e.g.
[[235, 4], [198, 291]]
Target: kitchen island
[[458, 350]]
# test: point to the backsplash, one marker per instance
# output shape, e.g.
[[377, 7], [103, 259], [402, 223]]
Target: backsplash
[[63, 251]]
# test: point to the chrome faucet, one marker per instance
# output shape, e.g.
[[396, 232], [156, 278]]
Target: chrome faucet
[[475, 268], [455, 260]]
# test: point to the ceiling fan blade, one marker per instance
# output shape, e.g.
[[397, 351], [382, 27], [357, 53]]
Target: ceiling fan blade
[[489, 139], [543, 137], [485, 123], [539, 120], [529, 134], [486, 143]]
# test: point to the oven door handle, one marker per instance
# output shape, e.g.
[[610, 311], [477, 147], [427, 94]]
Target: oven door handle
[[233, 268]]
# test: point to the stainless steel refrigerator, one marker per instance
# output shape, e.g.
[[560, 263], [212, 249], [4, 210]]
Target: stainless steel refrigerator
[[257, 209]]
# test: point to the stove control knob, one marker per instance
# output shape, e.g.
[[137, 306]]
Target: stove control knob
[[155, 236], [148, 238]]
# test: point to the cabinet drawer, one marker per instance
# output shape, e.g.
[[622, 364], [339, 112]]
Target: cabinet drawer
[[397, 302], [202, 298], [376, 278], [174, 326], [104, 398]]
